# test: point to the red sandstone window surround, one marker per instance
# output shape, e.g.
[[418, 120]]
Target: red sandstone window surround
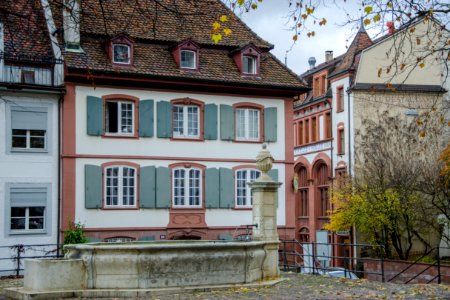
[[186, 55], [340, 99], [120, 51], [120, 185], [341, 141], [249, 122], [187, 119], [121, 116]]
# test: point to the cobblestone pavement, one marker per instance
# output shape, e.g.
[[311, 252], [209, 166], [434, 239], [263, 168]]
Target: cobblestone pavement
[[298, 286]]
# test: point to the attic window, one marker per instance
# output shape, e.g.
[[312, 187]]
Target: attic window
[[188, 59], [248, 64], [121, 54]]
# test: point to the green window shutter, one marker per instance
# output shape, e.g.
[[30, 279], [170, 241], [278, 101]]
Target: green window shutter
[[164, 119], [210, 122], [226, 123], [94, 115], [146, 118], [226, 188], [93, 186], [212, 188], [162, 187], [147, 181], [274, 175], [270, 124]]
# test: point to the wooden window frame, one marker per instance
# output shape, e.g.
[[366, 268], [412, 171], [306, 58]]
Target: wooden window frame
[[201, 122], [248, 105], [187, 166], [248, 197], [122, 98], [122, 164], [340, 99]]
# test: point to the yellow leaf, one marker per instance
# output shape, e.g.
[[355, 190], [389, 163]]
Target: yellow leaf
[[304, 16], [418, 41], [422, 65], [402, 66], [379, 72], [323, 22], [227, 31], [216, 26], [422, 134], [389, 4], [254, 6], [223, 18], [368, 9], [241, 2], [295, 37], [377, 18], [366, 22], [216, 37], [412, 30]]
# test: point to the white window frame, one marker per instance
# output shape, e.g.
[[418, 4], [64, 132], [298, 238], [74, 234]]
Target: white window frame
[[119, 118], [28, 137], [247, 199], [186, 187], [194, 61], [46, 204], [185, 120], [31, 107], [120, 195], [128, 53], [246, 136], [245, 64]]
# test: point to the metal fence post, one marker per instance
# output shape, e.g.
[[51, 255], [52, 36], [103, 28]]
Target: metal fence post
[[382, 265], [284, 256], [439, 265], [313, 248], [19, 249]]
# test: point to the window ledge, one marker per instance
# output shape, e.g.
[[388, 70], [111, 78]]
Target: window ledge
[[243, 208], [249, 141], [23, 150], [27, 232], [188, 139], [119, 136], [120, 208]]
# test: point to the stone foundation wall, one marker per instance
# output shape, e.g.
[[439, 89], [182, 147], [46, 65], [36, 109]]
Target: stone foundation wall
[[393, 267]]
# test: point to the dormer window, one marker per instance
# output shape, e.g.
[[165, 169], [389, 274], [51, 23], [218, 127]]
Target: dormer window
[[247, 60], [248, 64], [188, 59], [121, 54], [121, 51], [186, 55]]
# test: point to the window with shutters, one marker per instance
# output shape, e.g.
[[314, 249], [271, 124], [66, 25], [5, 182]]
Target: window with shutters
[[120, 186], [244, 197], [28, 205], [186, 187], [28, 129]]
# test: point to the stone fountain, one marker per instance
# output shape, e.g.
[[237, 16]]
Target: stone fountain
[[144, 269]]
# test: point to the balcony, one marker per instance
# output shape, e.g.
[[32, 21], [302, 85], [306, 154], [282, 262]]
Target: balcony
[[25, 71]]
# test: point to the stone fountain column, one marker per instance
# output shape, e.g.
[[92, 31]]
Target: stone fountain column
[[264, 191]]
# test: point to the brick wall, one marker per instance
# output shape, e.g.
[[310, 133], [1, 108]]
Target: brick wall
[[393, 267]]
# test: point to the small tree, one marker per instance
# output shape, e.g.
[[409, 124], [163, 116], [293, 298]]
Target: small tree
[[392, 198], [75, 234]]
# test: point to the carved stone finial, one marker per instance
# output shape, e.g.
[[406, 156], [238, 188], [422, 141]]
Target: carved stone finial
[[264, 162]]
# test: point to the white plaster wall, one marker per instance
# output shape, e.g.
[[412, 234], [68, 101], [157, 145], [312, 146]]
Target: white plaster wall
[[28, 168], [97, 218], [165, 147], [337, 118]]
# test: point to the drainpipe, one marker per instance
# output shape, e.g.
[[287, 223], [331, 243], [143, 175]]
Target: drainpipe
[[349, 132], [58, 233]]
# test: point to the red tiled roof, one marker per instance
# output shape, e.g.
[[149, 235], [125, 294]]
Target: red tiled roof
[[25, 29], [351, 58], [154, 33]]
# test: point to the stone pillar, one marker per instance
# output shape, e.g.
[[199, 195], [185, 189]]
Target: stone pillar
[[264, 191]]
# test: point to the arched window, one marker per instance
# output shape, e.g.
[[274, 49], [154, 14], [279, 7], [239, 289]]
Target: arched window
[[304, 235], [303, 191], [323, 187]]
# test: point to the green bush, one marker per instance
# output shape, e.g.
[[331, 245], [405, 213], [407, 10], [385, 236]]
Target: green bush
[[75, 234]]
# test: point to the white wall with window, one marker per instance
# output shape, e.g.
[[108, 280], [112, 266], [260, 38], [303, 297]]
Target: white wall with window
[[186, 187], [120, 186], [28, 169]]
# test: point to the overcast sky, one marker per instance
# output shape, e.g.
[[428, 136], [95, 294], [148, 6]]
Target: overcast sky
[[269, 22]]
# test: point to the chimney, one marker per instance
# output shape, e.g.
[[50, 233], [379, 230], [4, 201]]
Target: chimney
[[391, 28], [328, 55], [71, 20], [312, 62]]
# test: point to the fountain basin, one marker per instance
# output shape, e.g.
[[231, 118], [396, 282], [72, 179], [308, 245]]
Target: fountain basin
[[157, 264]]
